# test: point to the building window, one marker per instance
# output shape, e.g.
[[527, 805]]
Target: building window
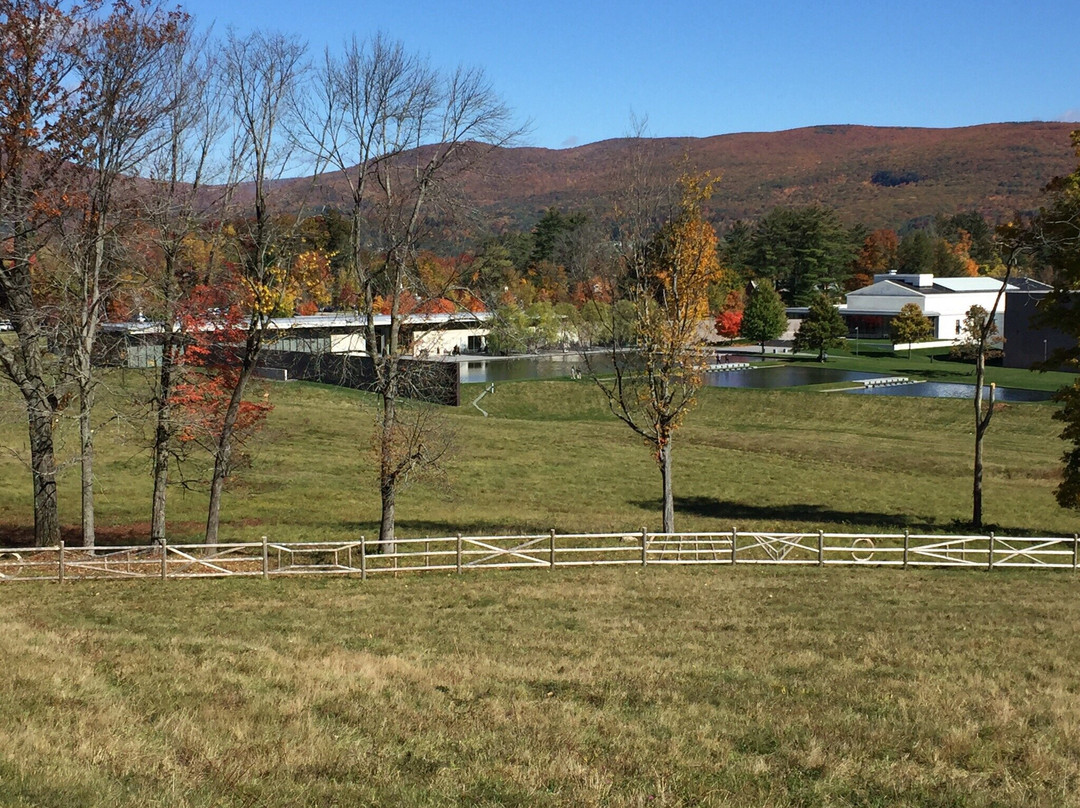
[[958, 328]]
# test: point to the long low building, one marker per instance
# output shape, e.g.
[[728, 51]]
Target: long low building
[[138, 343]]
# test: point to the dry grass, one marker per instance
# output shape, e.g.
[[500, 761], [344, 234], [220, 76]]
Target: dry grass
[[741, 687]]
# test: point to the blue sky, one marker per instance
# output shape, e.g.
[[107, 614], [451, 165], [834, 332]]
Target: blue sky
[[577, 70]]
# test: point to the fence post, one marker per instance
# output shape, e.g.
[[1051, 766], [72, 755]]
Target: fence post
[[1076, 555], [990, 553], [551, 550], [458, 554], [164, 561], [907, 541], [265, 559], [644, 547], [734, 544], [363, 558], [60, 571], [821, 548]]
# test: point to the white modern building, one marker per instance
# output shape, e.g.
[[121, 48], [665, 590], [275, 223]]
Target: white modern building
[[945, 301]]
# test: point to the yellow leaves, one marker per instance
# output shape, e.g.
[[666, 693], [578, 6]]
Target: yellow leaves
[[696, 189], [300, 288], [269, 295], [685, 263], [197, 251], [311, 275]]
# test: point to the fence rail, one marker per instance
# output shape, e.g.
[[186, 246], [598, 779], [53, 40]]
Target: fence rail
[[460, 554]]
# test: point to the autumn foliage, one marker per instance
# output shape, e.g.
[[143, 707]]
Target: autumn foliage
[[729, 321], [214, 323]]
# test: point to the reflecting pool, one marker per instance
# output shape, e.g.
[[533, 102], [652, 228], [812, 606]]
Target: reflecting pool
[[783, 376], [953, 390], [564, 366]]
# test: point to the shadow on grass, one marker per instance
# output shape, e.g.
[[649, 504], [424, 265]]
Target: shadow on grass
[[792, 512], [421, 528], [132, 534]]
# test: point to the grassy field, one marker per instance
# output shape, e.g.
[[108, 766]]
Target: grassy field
[[550, 456], [612, 687], [608, 687]]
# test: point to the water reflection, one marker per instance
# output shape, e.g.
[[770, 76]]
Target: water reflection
[[783, 376], [564, 366], [522, 368], [953, 390]]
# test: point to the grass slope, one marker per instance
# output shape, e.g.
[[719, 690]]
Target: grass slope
[[550, 456], [606, 687]]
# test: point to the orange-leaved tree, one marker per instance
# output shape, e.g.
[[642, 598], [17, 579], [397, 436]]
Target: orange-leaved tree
[[264, 71], [214, 322], [729, 320], [43, 108]]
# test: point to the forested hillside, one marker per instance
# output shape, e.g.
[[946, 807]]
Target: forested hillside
[[874, 176]]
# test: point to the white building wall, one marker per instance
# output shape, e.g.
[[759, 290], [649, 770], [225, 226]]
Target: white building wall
[[952, 309], [346, 343], [444, 341]]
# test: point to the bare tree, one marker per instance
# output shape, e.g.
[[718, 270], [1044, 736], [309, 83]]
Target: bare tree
[[177, 209], [979, 332], [264, 70], [399, 133], [42, 100], [124, 64]]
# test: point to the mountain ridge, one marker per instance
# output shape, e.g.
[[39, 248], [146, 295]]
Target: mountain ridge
[[877, 176]]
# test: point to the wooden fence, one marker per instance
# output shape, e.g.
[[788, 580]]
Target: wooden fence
[[460, 554]]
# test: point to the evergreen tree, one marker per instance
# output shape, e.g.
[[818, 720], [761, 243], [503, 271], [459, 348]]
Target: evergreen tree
[[822, 329], [764, 317], [1052, 238], [806, 251]]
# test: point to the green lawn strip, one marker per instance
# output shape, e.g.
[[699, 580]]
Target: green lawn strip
[[551, 456]]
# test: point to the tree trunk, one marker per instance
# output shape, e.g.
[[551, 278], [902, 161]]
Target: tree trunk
[[43, 400], [668, 492], [976, 488], [86, 461], [982, 424], [162, 437], [388, 494], [387, 479], [43, 465], [223, 451], [158, 502], [217, 483], [90, 316]]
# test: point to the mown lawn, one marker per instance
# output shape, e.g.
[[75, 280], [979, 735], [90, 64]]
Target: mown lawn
[[608, 687], [550, 456]]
